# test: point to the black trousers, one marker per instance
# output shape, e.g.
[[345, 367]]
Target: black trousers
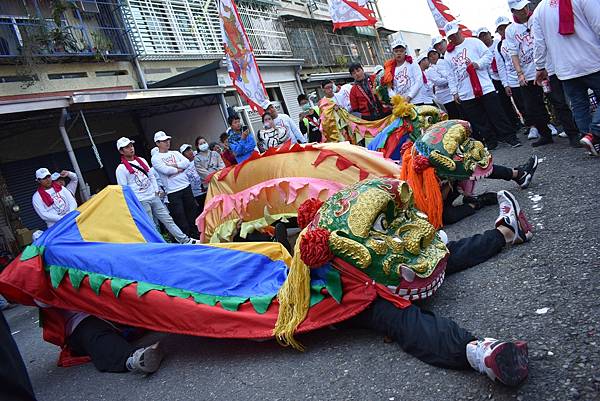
[[433, 339], [520, 102], [507, 105], [453, 110], [14, 380], [501, 173], [100, 341], [184, 210], [486, 116], [561, 107], [200, 199], [533, 99]]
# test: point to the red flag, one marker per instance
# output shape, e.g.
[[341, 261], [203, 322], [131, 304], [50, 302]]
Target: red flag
[[442, 15], [241, 63], [346, 13]]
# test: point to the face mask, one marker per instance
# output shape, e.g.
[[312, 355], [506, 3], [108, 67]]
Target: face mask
[[306, 107], [203, 147]]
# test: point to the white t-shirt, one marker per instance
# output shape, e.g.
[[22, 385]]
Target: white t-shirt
[[506, 68], [291, 128], [407, 80], [64, 202], [438, 75], [342, 97], [143, 185], [494, 74], [469, 51], [164, 163], [519, 41], [425, 93], [574, 55]]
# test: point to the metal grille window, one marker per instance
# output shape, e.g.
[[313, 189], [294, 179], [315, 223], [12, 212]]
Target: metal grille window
[[180, 29]]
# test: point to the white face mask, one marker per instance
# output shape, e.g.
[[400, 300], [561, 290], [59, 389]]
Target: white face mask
[[203, 147]]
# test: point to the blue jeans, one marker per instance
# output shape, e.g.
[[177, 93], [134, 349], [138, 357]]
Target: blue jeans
[[576, 90], [155, 208]]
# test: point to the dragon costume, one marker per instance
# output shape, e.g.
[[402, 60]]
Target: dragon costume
[[106, 259], [445, 151], [386, 135]]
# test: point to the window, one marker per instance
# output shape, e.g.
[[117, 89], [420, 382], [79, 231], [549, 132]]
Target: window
[[68, 75], [111, 73]]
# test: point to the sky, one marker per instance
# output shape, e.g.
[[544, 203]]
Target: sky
[[414, 15]]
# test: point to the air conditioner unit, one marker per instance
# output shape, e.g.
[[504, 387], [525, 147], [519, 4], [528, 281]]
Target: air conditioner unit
[[88, 6]]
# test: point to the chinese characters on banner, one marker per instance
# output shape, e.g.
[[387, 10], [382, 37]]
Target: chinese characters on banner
[[346, 13], [241, 63], [442, 15]]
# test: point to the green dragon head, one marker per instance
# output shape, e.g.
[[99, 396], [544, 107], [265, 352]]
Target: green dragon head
[[453, 153], [374, 226]]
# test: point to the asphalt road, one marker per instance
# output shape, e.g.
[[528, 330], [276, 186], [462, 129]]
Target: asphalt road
[[544, 292]]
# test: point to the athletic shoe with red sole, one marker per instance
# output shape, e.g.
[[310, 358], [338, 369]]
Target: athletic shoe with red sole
[[591, 143]]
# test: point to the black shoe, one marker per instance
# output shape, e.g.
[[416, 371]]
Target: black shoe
[[526, 172], [491, 145], [542, 141], [513, 142]]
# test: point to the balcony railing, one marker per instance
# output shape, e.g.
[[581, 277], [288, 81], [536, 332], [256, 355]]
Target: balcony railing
[[318, 46], [80, 33], [190, 29]]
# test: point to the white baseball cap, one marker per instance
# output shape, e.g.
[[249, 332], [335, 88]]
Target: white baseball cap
[[378, 68], [397, 42], [122, 142], [42, 173], [501, 21], [451, 28], [55, 176], [153, 151], [481, 30], [517, 4], [437, 39], [430, 50], [184, 147], [421, 57], [161, 136]]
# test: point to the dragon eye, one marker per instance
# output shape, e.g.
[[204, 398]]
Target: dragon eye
[[380, 223]]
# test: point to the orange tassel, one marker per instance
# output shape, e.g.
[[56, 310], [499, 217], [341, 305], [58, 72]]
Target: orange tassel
[[426, 189]]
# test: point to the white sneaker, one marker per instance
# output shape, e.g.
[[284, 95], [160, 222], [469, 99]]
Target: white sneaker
[[563, 135], [501, 361], [553, 129], [145, 360], [533, 133], [512, 217], [191, 241]]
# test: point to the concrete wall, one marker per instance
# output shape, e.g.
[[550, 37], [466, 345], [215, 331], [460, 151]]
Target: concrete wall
[[49, 86], [185, 126]]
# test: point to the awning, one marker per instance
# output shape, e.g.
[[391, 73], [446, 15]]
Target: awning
[[86, 98]]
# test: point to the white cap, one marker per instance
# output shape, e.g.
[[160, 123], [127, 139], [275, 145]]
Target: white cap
[[421, 57], [502, 21], [451, 28], [436, 39], [122, 142], [397, 42], [481, 30], [161, 136], [153, 151], [183, 147], [55, 176], [378, 68], [432, 50], [42, 173], [517, 4]]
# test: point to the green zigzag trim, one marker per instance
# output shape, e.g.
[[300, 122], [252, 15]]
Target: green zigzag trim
[[31, 251], [260, 304]]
